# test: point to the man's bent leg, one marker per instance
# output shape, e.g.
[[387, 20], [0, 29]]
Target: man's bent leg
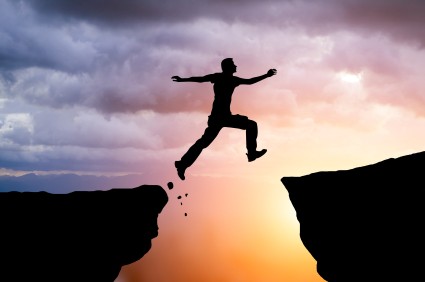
[[195, 150], [251, 141], [251, 135], [242, 122]]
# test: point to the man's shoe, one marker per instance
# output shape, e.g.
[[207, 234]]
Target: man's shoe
[[252, 156], [180, 169]]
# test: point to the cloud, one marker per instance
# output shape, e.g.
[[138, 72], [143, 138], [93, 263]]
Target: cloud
[[398, 19], [401, 19], [85, 72], [127, 69], [80, 139], [27, 42], [16, 128], [143, 11]]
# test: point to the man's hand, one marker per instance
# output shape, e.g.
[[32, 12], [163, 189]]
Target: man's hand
[[271, 72], [176, 78]]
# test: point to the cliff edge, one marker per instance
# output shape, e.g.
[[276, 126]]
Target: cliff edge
[[366, 223], [80, 236]]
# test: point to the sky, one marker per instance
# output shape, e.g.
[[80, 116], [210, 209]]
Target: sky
[[85, 88]]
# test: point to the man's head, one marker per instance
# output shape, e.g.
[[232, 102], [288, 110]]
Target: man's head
[[228, 66]]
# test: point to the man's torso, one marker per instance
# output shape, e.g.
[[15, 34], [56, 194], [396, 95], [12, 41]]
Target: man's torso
[[224, 85]]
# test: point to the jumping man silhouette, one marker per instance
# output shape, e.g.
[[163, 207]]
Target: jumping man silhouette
[[221, 116]]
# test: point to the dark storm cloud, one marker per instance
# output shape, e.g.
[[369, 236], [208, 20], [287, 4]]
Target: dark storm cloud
[[50, 34], [399, 18], [130, 11], [122, 11], [26, 42]]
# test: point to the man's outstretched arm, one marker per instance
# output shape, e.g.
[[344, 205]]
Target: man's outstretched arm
[[256, 79], [192, 79]]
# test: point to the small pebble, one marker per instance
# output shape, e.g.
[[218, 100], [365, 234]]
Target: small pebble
[[185, 214], [186, 194], [170, 185], [179, 197]]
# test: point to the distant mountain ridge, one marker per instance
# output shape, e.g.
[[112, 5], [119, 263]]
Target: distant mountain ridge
[[65, 183], [366, 223]]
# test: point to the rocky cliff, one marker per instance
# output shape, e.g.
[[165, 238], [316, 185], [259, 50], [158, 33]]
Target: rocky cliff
[[366, 223], [80, 236]]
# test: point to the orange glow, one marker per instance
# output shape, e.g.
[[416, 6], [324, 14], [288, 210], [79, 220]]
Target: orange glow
[[241, 225], [237, 229]]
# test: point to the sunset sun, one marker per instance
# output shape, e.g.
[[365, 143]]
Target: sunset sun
[[349, 77]]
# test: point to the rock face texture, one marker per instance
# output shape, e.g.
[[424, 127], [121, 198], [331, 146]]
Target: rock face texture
[[80, 236], [366, 223]]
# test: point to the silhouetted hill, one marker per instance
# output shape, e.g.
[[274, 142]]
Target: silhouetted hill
[[81, 236], [364, 224]]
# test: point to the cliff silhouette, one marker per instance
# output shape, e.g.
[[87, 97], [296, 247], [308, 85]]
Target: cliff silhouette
[[366, 223], [79, 236]]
